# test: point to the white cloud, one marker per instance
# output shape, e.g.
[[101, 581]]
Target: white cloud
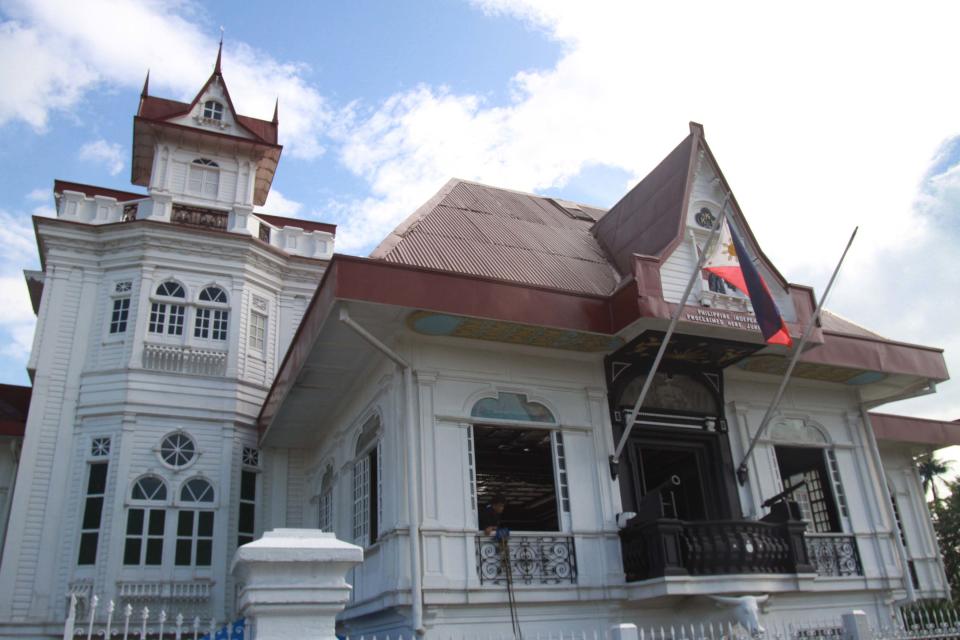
[[817, 121], [279, 205], [39, 195], [110, 155], [70, 54]]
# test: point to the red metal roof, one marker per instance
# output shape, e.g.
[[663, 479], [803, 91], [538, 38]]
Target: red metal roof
[[59, 186], [936, 433], [14, 406], [473, 229], [306, 225]]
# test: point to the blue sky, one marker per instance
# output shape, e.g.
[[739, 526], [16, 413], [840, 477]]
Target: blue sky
[[822, 118]]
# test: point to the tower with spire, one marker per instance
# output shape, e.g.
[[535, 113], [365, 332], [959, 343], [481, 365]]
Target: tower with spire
[[162, 316]]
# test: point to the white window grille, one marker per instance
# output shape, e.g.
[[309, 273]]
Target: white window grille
[[119, 315], [93, 511], [246, 524], [258, 331], [100, 447], [178, 450], [563, 487], [195, 526], [213, 110], [325, 504], [204, 178], [167, 317], [143, 543], [361, 500]]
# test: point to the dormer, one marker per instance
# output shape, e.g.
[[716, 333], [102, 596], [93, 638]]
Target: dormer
[[178, 147]]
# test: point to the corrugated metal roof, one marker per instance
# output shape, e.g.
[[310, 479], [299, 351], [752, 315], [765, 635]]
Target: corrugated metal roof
[[484, 231]]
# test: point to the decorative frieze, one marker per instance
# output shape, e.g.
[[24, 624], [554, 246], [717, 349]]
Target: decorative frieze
[[199, 217], [183, 359]]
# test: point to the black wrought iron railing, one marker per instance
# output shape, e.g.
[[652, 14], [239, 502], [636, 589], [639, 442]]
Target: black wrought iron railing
[[530, 559], [834, 554], [666, 547], [199, 217]]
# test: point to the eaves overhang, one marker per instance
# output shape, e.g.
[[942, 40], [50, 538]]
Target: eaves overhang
[[377, 282], [934, 434], [146, 133]]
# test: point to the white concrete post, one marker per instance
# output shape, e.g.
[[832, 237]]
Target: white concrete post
[[293, 583], [624, 632], [856, 626]]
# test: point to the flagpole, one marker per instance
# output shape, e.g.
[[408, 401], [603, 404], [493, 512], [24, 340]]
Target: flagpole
[[742, 469], [615, 458]]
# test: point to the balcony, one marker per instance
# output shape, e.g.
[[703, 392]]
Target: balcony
[[668, 547], [533, 559], [184, 359]]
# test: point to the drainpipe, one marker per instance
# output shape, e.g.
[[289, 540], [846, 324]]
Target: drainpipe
[[878, 463], [416, 580]]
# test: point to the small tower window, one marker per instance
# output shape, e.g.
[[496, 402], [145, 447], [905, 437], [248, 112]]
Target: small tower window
[[204, 177], [213, 110]]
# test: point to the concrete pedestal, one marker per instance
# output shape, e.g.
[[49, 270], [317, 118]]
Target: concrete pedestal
[[293, 583]]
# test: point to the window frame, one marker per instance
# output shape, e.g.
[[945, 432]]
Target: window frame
[[213, 110], [163, 309], [206, 173], [146, 507], [367, 484], [198, 511], [93, 532], [211, 317], [249, 468]]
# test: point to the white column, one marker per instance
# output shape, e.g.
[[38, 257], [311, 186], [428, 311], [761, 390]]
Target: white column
[[293, 583]]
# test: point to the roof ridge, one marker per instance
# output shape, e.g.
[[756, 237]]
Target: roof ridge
[[528, 193]]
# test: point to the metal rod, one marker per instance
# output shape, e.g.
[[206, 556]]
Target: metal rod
[[718, 223], [742, 469]]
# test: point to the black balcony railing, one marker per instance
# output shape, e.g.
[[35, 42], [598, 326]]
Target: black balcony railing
[[666, 547], [533, 559], [834, 555], [199, 217]]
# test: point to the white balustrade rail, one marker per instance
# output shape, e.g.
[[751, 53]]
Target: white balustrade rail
[[183, 359], [141, 623]]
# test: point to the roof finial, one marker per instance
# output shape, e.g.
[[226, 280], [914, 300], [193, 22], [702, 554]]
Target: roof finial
[[216, 68], [146, 85], [276, 111]]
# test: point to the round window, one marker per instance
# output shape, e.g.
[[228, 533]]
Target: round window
[[178, 450]]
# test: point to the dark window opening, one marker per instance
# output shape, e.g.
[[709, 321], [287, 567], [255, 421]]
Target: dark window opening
[[374, 494], [656, 466], [815, 498], [92, 513], [248, 498], [144, 544], [518, 464]]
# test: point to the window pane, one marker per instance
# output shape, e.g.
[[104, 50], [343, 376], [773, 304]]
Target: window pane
[[131, 551], [185, 524], [242, 540], [91, 513], [135, 522], [154, 551], [246, 517], [98, 478], [204, 553], [88, 548], [205, 526], [248, 485], [184, 550], [156, 522]]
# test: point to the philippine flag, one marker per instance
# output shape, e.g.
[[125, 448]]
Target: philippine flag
[[724, 262]]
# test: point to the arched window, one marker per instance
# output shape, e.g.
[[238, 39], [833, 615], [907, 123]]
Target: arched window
[[213, 110], [196, 490], [525, 465], [178, 450], [807, 461], [166, 317], [195, 524], [211, 322], [204, 178], [143, 544], [366, 484]]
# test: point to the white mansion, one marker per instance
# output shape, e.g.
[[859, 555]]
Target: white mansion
[[203, 373]]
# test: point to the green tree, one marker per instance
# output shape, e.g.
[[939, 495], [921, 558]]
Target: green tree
[[932, 469], [947, 525]]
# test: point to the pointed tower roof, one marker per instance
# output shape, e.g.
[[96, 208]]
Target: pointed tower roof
[[155, 115], [651, 219]]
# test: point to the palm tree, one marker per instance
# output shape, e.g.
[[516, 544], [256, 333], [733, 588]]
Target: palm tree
[[931, 469]]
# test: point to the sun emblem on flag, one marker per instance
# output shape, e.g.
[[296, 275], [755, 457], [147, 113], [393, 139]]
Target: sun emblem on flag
[[731, 250]]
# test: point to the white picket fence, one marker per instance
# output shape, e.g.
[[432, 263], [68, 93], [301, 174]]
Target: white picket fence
[[141, 623]]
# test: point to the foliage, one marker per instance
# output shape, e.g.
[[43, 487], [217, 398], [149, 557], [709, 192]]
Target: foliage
[[932, 470], [946, 514]]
